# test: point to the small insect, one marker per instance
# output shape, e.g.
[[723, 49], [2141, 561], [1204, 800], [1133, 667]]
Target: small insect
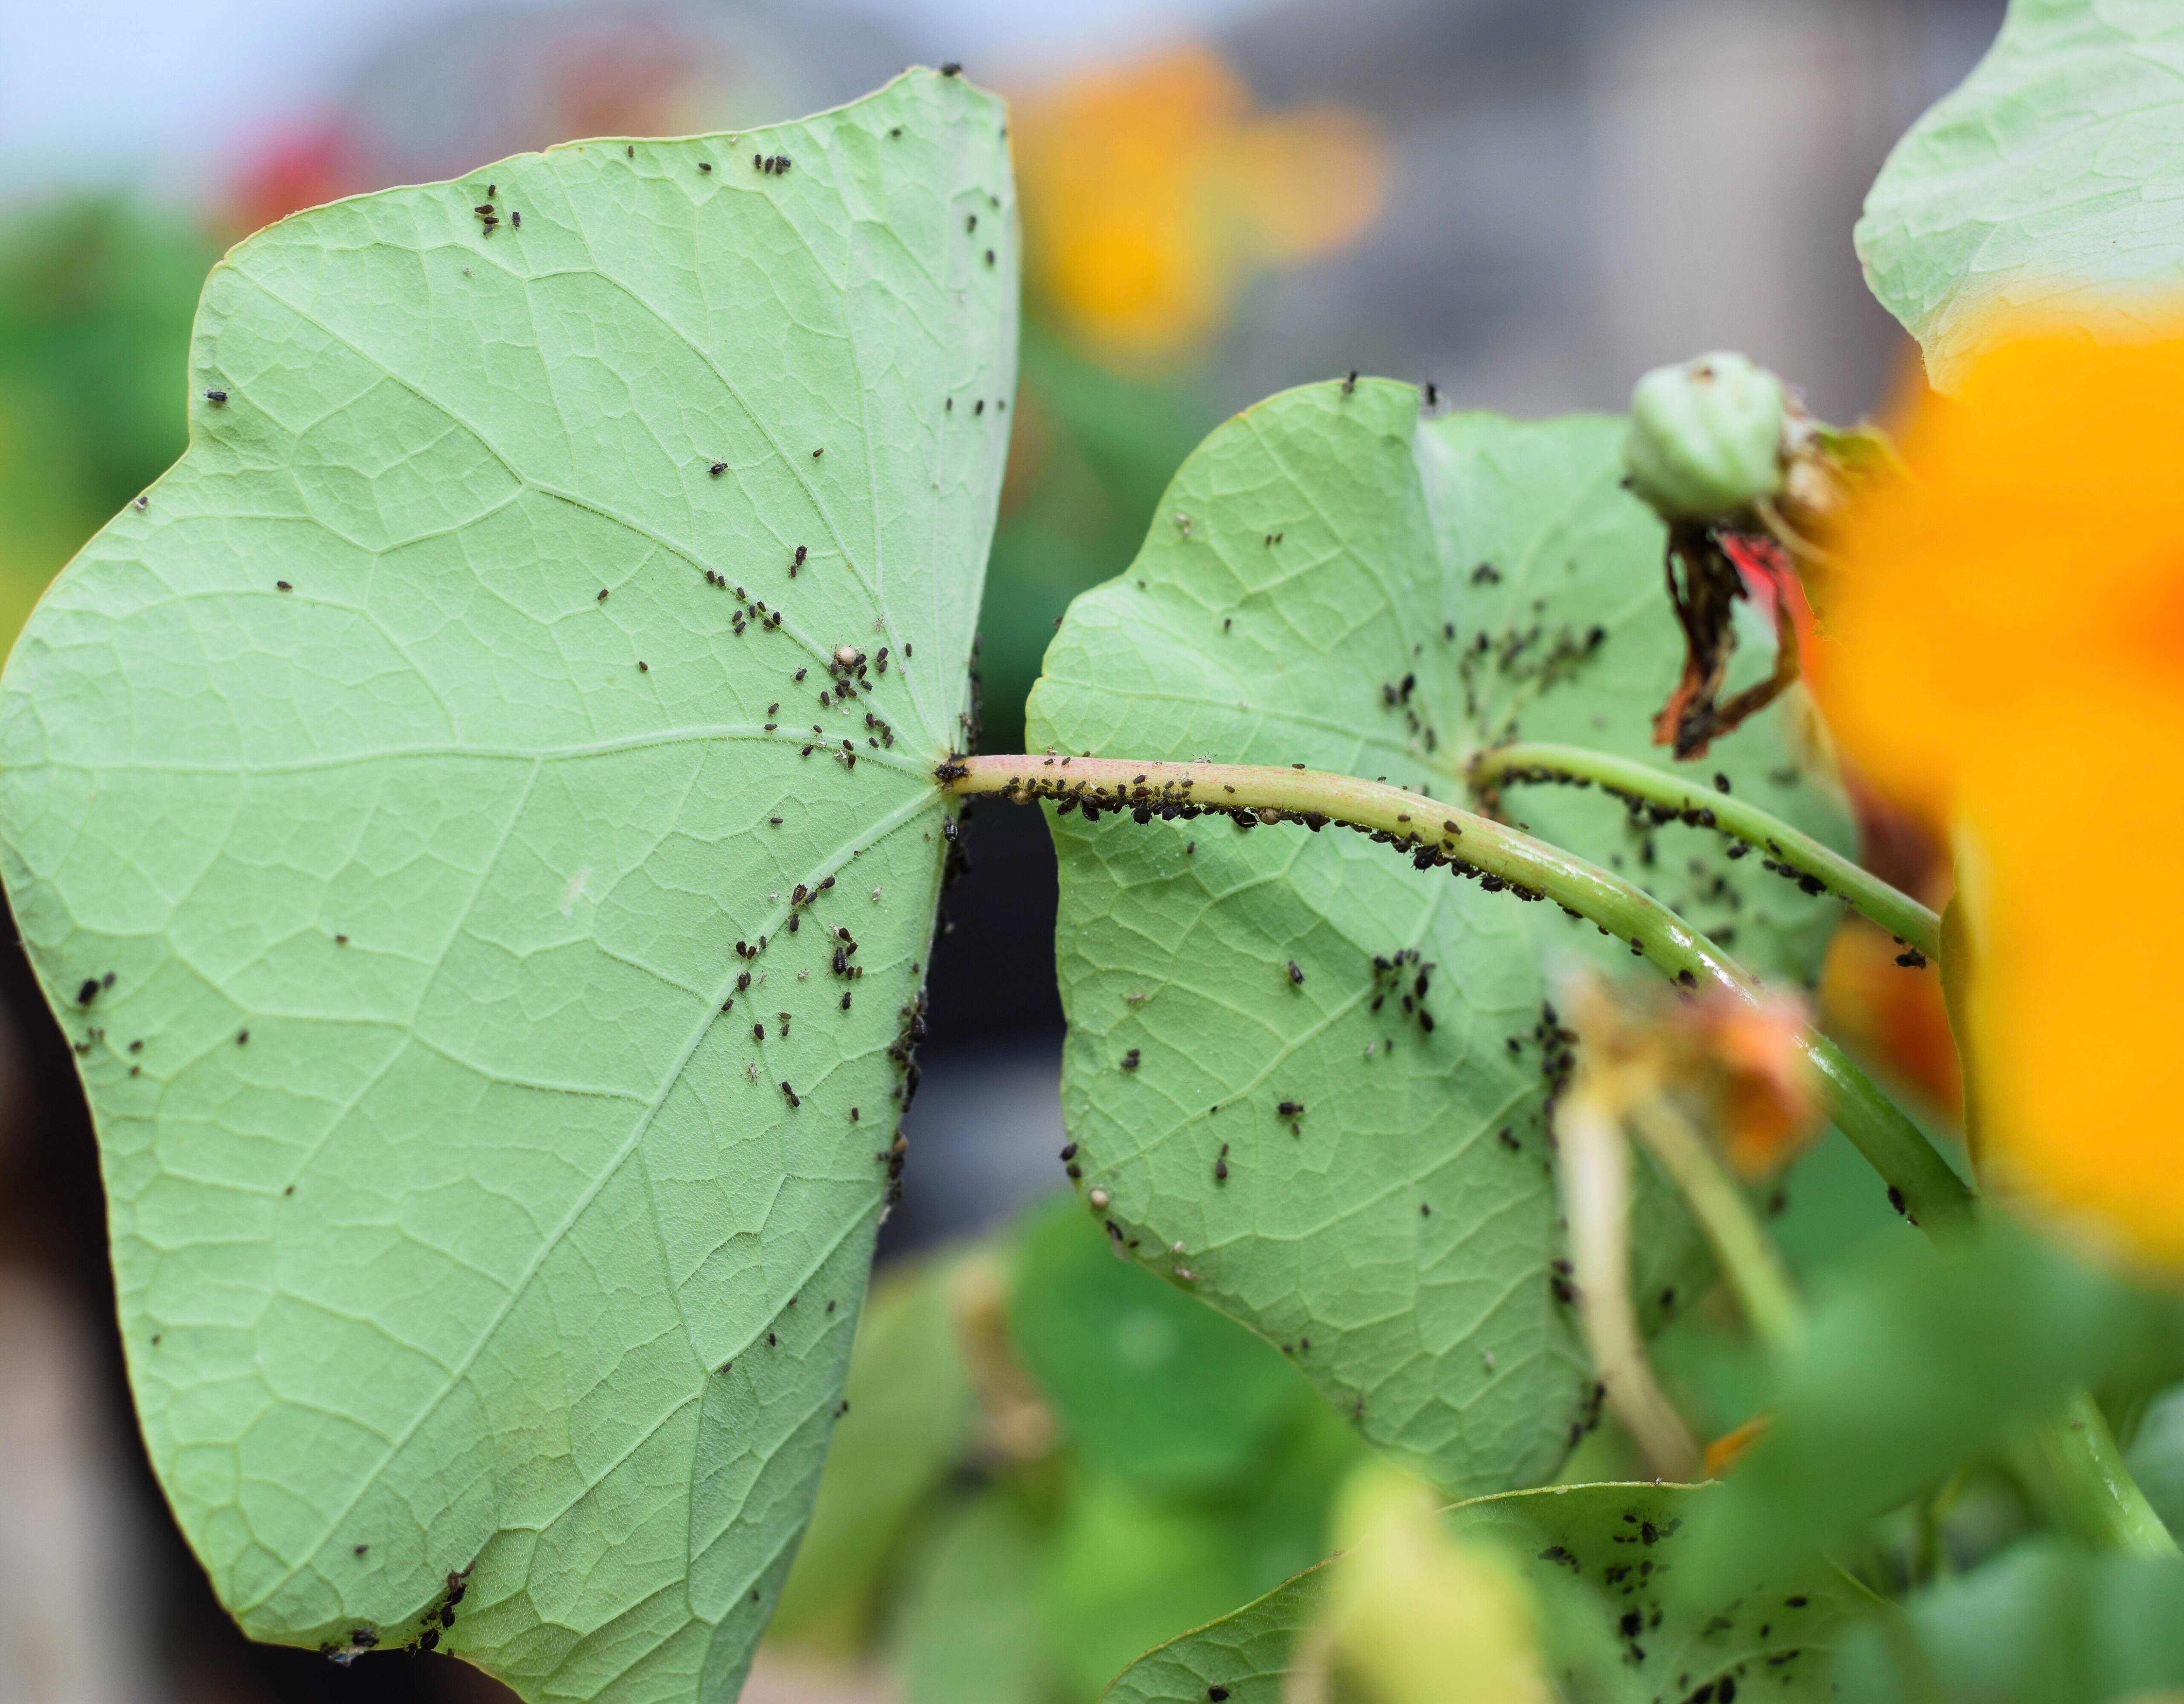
[[775, 820], [1290, 1109], [1130, 1060], [845, 1000], [800, 553], [603, 594], [241, 1037], [716, 470], [515, 219], [1099, 1199], [1221, 1165], [978, 407], [1432, 394], [1296, 975], [644, 667], [949, 407], [800, 674], [758, 1032], [143, 503], [630, 149], [949, 68], [1217, 1694], [791, 1095], [704, 165], [819, 452], [215, 396], [1349, 384]]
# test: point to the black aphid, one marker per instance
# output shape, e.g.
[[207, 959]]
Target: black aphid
[[1296, 975]]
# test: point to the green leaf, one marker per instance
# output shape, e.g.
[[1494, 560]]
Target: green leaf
[[467, 1245], [1330, 582], [2043, 1624], [1247, 1653], [2042, 189], [1154, 1389], [1596, 1558], [973, 1629]]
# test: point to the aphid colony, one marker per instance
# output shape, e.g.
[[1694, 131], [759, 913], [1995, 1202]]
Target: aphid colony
[[1176, 798], [1652, 813]]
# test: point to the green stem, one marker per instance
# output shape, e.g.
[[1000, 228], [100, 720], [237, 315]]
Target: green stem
[[2093, 1482], [2082, 1473], [1501, 858], [1748, 1261], [1796, 854]]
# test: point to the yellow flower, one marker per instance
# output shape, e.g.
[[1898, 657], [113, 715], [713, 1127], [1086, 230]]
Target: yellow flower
[[2004, 652], [1152, 191]]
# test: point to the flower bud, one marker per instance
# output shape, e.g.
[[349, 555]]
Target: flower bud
[[1705, 438]]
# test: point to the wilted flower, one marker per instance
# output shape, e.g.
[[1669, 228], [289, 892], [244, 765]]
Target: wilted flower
[[1742, 1066]]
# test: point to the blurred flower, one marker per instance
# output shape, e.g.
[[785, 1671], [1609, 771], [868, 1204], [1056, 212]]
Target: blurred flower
[[2004, 653], [1151, 193], [1415, 1615], [1743, 1064]]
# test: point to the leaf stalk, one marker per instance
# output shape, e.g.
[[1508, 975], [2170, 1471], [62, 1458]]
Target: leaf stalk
[[1797, 855], [1502, 859]]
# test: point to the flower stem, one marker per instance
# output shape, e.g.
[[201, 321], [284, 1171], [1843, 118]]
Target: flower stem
[[1796, 854], [1747, 1259], [2080, 1472], [1502, 859], [1593, 1176]]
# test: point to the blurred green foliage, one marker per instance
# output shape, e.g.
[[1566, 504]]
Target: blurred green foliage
[[1052, 1460], [2043, 1624], [96, 295], [1091, 451]]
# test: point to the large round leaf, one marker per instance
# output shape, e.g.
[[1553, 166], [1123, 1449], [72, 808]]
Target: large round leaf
[[1332, 582], [2048, 190], [432, 808]]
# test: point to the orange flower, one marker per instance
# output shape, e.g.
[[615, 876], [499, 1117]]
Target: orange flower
[[2004, 653], [1151, 193]]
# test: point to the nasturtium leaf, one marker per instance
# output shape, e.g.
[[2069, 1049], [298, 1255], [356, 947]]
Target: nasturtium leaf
[[1246, 1656], [2045, 191], [384, 799], [1596, 1558], [1332, 581]]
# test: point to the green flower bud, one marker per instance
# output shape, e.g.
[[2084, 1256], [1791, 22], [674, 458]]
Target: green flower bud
[[1706, 437]]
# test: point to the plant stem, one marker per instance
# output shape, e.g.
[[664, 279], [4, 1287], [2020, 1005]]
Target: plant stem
[[2082, 1472], [1795, 853], [1593, 1176], [1501, 858], [1747, 1259], [2091, 1482]]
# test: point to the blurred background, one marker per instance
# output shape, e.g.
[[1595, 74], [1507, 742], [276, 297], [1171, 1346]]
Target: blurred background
[[1526, 202]]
